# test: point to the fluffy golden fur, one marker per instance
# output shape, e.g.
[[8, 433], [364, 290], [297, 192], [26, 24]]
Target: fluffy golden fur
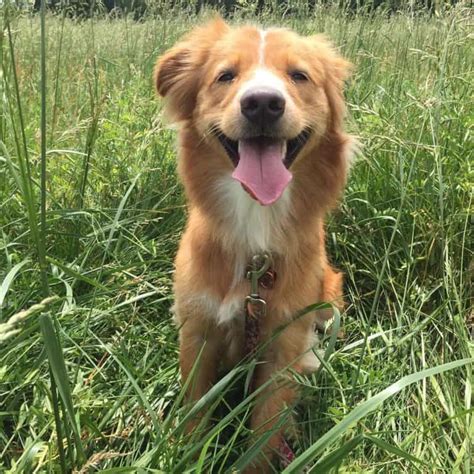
[[226, 226]]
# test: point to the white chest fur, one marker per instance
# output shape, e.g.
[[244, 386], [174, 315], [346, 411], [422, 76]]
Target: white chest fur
[[250, 226]]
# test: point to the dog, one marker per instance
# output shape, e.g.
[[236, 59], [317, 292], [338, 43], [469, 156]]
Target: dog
[[263, 158]]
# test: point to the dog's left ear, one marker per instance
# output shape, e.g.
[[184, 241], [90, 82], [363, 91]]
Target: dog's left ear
[[178, 72], [337, 70]]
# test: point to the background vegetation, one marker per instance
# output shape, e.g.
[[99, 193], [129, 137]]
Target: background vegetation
[[90, 218], [228, 7]]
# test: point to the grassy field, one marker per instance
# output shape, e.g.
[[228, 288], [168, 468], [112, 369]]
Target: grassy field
[[89, 377]]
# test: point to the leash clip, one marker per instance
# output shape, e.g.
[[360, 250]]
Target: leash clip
[[256, 307], [259, 267]]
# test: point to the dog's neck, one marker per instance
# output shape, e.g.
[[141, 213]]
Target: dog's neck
[[246, 224]]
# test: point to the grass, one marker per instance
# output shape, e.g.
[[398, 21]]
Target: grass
[[89, 376]]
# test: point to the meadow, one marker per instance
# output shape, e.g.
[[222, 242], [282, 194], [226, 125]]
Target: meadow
[[90, 218]]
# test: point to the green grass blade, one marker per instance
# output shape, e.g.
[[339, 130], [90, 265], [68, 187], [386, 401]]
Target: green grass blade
[[42, 236], [390, 448], [335, 326], [142, 396], [8, 280], [24, 180], [59, 372], [334, 459], [78, 276], [57, 422], [257, 446], [18, 99], [203, 454], [214, 392], [364, 409]]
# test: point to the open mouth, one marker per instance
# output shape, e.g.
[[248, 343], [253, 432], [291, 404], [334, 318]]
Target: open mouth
[[262, 163], [293, 146]]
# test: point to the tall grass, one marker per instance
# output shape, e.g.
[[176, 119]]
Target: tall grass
[[94, 214]]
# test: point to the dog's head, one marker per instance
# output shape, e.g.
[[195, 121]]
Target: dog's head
[[262, 98]]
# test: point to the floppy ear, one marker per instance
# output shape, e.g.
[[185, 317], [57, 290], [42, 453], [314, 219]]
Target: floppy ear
[[337, 74], [178, 72], [337, 70]]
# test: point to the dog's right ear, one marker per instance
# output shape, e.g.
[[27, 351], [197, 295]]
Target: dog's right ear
[[178, 73]]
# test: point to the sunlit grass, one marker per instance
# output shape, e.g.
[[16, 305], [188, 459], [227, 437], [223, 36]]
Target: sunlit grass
[[114, 213]]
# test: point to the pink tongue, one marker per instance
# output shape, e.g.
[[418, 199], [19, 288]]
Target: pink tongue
[[261, 170]]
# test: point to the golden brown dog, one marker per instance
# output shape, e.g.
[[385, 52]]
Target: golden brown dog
[[263, 157]]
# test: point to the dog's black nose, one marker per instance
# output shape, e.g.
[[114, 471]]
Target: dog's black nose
[[262, 106]]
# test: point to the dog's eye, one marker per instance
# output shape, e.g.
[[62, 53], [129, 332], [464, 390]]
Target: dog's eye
[[226, 76], [298, 76]]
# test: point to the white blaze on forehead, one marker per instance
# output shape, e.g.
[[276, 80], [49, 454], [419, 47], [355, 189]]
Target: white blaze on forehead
[[263, 77], [261, 49]]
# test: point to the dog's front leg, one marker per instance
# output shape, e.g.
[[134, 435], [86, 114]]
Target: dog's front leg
[[277, 391], [198, 358]]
